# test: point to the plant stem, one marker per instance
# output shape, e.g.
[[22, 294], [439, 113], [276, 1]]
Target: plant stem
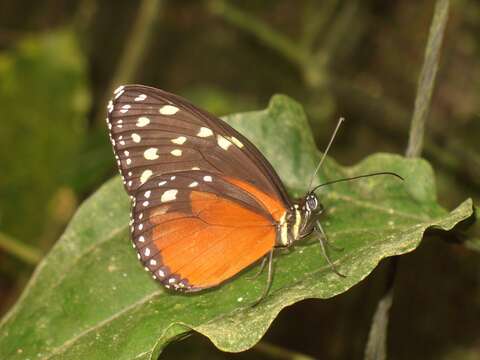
[[26, 253], [134, 49], [377, 342], [277, 352], [427, 78], [261, 31]]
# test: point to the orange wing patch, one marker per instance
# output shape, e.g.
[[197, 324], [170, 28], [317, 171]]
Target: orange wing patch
[[272, 205], [219, 240]]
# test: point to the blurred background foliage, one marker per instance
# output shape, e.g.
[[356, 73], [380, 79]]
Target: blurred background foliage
[[358, 59]]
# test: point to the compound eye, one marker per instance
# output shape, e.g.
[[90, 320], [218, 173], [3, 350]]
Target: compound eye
[[312, 203]]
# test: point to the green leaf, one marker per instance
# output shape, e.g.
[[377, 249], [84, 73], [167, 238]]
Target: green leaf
[[90, 298]]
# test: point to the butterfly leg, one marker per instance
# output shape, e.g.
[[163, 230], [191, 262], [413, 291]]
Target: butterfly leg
[[322, 238], [262, 267], [269, 279]]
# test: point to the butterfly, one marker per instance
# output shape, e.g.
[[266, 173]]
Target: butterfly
[[206, 204]]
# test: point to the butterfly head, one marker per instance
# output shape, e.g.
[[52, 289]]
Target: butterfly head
[[298, 221]]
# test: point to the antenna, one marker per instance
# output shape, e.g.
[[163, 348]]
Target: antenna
[[358, 177], [340, 121]]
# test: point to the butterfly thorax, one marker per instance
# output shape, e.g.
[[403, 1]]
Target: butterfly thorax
[[298, 221]]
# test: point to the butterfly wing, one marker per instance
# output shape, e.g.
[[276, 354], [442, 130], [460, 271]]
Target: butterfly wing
[[206, 202]]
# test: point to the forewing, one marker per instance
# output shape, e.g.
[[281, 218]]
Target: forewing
[[154, 133]]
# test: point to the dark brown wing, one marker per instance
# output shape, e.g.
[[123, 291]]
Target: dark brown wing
[[181, 137]]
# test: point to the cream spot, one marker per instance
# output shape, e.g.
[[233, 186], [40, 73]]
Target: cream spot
[[151, 154], [171, 280], [161, 273], [173, 177], [169, 195], [168, 110], [120, 93], [147, 194], [110, 106], [153, 262], [145, 176], [140, 227], [136, 138], [140, 216], [236, 142], [128, 161], [161, 183], [145, 203], [179, 140], [143, 121], [195, 168], [127, 153], [141, 238], [118, 89], [176, 152], [204, 132], [207, 178], [130, 183], [193, 184], [147, 251], [140, 97], [122, 142], [223, 143], [125, 108]]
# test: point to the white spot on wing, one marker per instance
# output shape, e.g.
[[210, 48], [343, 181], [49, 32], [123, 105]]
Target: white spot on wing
[[168, 110], [169, 195], [193, 184], [120, 93], [195, 168], [161, 183], [179, 140], [204, 132], [141, 238], [223, 143], [236, 142], [147, 251], [143, 121], [151, 154], [176, 152], [145, 175], [147, 194], [118, 89], [125, 108], [140, 97], [207, 178], [136, 138]]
